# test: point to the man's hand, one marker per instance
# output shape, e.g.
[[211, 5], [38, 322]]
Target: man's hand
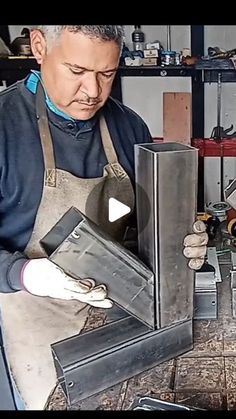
[[195, 245], [43, 278]]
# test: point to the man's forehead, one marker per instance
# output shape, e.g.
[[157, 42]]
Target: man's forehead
[[106, 67]]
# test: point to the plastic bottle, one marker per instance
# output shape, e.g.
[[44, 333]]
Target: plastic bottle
[[138, 38]]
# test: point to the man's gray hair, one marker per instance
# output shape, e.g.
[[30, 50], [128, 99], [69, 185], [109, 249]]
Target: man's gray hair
[[103, 32]]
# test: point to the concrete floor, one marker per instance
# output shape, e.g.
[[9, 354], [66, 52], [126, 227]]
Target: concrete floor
[[203, 378]]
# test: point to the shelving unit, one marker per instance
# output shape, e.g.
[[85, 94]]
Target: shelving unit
[[158, 71], [16, 68]]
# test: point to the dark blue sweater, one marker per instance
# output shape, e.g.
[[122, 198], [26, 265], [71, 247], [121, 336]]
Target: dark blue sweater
[[78, 151]]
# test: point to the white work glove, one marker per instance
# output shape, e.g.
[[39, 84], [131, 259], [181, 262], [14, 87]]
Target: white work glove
[[195, 245], [45, 279]]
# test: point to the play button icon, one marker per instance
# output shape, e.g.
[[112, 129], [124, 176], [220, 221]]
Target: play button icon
[[116, 210], [106, 207]]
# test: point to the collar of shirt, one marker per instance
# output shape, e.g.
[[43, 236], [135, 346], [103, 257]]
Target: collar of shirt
[[32, 83]]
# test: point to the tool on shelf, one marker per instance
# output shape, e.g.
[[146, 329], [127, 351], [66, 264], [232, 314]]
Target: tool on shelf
[[218, 132]]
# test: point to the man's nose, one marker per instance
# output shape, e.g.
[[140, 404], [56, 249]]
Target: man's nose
[[91, 86]]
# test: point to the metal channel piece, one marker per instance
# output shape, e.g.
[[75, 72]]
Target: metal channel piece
[[213, 260], [89, 253], [94, 361], [233, 292], [233, 260], [205, 296], [204, 280], [233, 279], [205, 304], [168, 175], [233, 302], [233, 284]]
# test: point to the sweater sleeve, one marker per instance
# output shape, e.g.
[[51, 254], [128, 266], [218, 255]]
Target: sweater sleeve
[[11, 265]]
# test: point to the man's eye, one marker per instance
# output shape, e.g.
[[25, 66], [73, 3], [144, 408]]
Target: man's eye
[[107, 76], [76, 72]]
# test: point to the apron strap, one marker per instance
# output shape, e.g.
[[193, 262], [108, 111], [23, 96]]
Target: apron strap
[[46, 138], [107, 142]]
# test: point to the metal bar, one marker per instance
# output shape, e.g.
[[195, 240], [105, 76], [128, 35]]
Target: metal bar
[[200, 192], [168, 44], [197, 49], [219, 88], [89, 253], [158, 71], [168, 174], [129, 348], [198, 103]]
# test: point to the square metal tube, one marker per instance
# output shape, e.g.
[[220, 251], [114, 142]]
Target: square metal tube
[[166, 174], [89, 253], [94, 361]]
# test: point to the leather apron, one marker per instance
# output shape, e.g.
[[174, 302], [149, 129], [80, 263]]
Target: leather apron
[[30, 323]]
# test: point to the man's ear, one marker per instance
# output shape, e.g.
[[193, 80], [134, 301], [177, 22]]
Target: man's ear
[[38, 45]]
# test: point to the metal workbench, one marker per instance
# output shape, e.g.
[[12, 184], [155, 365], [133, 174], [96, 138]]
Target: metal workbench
[[204, 377]]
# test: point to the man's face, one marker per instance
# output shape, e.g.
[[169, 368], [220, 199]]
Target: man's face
[[77, 71]]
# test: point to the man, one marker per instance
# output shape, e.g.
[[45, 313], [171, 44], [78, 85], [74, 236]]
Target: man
[[61, 136]]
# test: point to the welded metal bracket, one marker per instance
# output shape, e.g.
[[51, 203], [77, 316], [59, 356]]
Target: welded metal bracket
[[158, 295]]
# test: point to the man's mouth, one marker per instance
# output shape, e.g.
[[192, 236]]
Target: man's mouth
[[90, 105]]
